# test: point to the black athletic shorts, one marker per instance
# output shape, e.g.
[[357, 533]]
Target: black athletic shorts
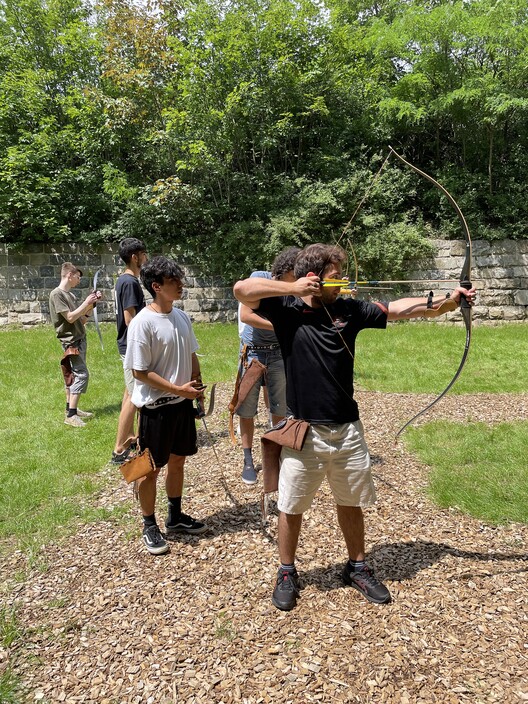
[[168, 430]]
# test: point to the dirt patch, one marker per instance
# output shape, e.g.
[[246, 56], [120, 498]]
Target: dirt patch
[[107, 623]]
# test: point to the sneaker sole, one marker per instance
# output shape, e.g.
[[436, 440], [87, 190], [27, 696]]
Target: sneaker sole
[[250, 482], [157, 551], [352, 584], [189, 531], [282, 607]]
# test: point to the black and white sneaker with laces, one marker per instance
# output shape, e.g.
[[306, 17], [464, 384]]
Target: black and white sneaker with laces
[[185, 524], [154, 540], [286, 590], [366, 583]]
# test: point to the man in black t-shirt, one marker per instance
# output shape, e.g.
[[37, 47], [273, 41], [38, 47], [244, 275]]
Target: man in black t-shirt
[[129, 300], [317, 330]]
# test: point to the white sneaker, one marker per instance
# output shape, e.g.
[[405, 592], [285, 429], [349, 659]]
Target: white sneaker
[[84, 414], [75, 421]]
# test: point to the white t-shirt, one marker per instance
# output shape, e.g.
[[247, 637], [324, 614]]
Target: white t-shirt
[[162, 343]]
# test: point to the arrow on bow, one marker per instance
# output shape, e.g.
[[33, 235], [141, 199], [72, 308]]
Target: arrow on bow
[[96, 317], [464, 279]]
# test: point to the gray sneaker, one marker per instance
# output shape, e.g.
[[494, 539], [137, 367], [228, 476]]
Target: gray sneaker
[[75, 421], [286, 590], [249, 475], [366, 583]]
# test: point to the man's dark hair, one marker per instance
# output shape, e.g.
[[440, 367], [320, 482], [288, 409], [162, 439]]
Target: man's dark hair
[[316, 257], [284, 262], [130, 246], [158, 270]]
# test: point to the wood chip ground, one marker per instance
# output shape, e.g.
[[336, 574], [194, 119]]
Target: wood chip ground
[[107, 623]]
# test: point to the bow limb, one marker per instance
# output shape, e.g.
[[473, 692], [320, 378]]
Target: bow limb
[[96, 317], [465, 282]]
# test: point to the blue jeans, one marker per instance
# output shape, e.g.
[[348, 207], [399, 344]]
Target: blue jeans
[[275, 382]]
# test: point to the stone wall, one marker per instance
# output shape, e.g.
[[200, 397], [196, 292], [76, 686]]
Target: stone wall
[[28, 275], [500, 272]]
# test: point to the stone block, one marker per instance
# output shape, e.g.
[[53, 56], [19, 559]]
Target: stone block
[[479, 313], [495, 313], [520, 298], [34, 247], [192, 305], [519, 271], [4, 320], [64, 248], [488, 261], [41, 259], [29, 295], [496, 298], [504, 247], [515, 312], [490, 284], [480, 248], [47, 270], [18, 259], [30, 318], [18, 306], [35, 282]]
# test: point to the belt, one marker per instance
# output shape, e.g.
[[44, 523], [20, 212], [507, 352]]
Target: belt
[[274, 346], [162, 401]]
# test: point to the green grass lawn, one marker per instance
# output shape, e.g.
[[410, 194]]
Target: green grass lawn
[[46, 473], [423, 357]]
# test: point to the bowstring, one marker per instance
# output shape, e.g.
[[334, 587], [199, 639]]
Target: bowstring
[[336, 245]]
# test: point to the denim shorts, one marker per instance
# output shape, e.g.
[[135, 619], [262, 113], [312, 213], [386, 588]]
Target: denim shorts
[[275, 382], [338, 452]]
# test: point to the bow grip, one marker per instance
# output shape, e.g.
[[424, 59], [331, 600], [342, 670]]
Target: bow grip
[[465, 283]]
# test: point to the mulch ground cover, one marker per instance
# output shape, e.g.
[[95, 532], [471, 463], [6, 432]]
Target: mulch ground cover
[[107, 623]]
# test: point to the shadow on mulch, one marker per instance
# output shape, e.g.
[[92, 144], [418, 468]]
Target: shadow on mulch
[[232, 519], [399, 562]]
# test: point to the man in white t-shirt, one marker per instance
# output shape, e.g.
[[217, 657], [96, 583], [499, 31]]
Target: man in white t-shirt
[[161, 352]]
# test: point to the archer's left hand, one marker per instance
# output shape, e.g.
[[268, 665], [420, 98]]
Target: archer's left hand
[[468, 294]]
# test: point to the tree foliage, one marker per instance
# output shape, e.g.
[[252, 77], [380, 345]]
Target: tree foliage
[[229, 130]]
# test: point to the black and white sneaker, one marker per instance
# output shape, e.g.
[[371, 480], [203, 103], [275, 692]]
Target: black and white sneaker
[[185, 524], [365, 582], [154, 540]]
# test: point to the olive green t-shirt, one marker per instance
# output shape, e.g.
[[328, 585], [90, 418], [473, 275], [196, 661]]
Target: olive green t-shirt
[[61, 302]]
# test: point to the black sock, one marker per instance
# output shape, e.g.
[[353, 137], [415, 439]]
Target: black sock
[[356, 565], [174, 509], [248, 457], [72, 412], [149, 520], [67, 407]]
